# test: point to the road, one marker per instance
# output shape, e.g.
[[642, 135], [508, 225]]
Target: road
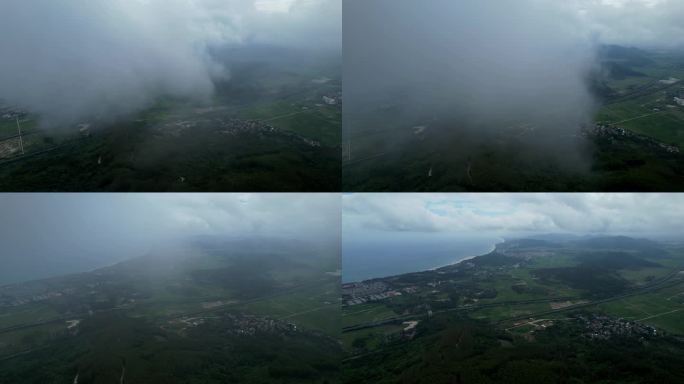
[[640, 117]]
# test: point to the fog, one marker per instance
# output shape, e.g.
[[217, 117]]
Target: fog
[[486, 60], [79, 59], [484, 66], [46, 235], [647, 24]]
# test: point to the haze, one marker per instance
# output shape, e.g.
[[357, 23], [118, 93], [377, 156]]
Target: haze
[[391, 234], [45, 235], [486, 65], [80, 59]]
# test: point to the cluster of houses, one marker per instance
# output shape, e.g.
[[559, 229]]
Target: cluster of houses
[[250, 325], [608, 130], [363, 289], [15, 300], [371, 298], [235, 127], [238, 324], [11, 113], [599, 327], [359, 293], [613, 132]]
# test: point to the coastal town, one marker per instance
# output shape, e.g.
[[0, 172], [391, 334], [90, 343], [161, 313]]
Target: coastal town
[[505, 288]]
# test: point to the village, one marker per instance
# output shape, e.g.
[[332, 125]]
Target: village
[[11, 113], [11, 301], [69, 297], [667, 101], [612, 132], [601, 327], [251, 325], [234, 324], [594, 327], [21, 294], [233, 127], [437, 286], [359, 293]]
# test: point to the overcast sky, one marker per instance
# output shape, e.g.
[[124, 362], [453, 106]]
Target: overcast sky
[[639, 215], [75, 59], [645, 23], [51, 234]]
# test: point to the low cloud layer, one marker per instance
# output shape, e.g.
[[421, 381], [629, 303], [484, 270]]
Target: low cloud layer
[[483, 66], [488, 61], [640, 23], [640, 215], [50, 234], [75, 59]]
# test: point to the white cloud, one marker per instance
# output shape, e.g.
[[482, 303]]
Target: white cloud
[[497, 214], [44, 234], [149, 217], [649, 23], [75, 59], [275, 6]]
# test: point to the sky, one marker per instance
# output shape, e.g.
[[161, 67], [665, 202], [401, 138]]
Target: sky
[[74, 59], [402, 215], [391, 234], [52, 234], [640, 23]]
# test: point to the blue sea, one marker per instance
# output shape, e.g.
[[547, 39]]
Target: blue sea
[[395, 254]]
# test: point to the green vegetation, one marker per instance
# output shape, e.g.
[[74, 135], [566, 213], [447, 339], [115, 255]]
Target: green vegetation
[[643, 98], [579, 311], [367, 313], [389, 149], [465, 351], [219, 311], [267, 129]]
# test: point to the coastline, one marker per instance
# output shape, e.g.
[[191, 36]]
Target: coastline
[[492, 247], [464, 258]]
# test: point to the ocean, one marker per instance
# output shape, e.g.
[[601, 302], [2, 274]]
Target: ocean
[[383, 256]]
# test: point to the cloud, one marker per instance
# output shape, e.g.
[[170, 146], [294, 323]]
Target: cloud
[[512, 214], [77, 59], [50, 234], [511, 75], [470, 66], [644, 23]]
